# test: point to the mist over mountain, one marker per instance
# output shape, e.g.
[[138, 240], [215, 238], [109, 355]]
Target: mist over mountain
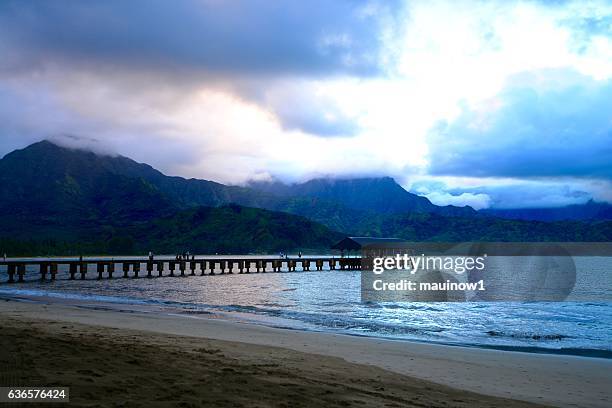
[[66, 198]]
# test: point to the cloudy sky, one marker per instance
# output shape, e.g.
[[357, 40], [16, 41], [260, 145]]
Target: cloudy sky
[[491, 104]]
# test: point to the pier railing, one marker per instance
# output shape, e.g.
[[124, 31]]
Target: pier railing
[[48, 269]]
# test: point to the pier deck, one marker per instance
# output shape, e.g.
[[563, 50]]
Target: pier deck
[[47, 269]]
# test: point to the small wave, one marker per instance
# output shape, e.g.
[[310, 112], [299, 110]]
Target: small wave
[[339, 322], [528, 336], [273, 304], [569, 351], [195, 312], [73, 296], [574, 328], [400, 306]]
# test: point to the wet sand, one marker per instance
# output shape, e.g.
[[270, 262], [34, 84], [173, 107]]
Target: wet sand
[[133, 358]]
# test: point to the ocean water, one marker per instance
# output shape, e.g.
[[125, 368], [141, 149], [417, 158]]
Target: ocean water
[[331, 301]]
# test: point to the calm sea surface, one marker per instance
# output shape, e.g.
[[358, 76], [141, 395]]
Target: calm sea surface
[[331, 301]]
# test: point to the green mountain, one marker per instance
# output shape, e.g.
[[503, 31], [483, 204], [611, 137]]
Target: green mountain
[[32, 168], [47, 180], [56, 172], [233, 229], [382, 195], [59, 200], [230, 229]]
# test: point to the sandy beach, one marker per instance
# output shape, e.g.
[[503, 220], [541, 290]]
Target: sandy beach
[[123, 356]]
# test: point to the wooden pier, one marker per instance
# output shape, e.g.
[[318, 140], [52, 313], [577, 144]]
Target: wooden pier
[[48, 269]]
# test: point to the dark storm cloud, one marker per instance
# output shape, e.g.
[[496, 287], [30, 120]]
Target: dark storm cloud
[[314, 37], [242, 47], [560, 132]]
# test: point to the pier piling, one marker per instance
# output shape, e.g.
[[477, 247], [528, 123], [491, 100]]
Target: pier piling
[[83, 269], [44, 267], [11, 272], [21, 269], [53, 270], [72, 270]]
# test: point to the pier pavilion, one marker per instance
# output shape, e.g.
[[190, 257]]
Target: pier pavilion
[[358, 244]]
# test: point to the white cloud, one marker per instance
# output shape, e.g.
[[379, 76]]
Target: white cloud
[[476, 201], [511, 192]]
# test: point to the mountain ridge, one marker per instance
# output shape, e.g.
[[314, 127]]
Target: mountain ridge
[[379, 194], [591, 210], [48, 192]]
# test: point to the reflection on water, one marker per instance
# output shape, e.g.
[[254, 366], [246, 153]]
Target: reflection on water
[[331, 301]]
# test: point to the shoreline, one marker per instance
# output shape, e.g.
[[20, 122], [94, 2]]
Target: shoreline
[[558, 380], [143, 305]]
